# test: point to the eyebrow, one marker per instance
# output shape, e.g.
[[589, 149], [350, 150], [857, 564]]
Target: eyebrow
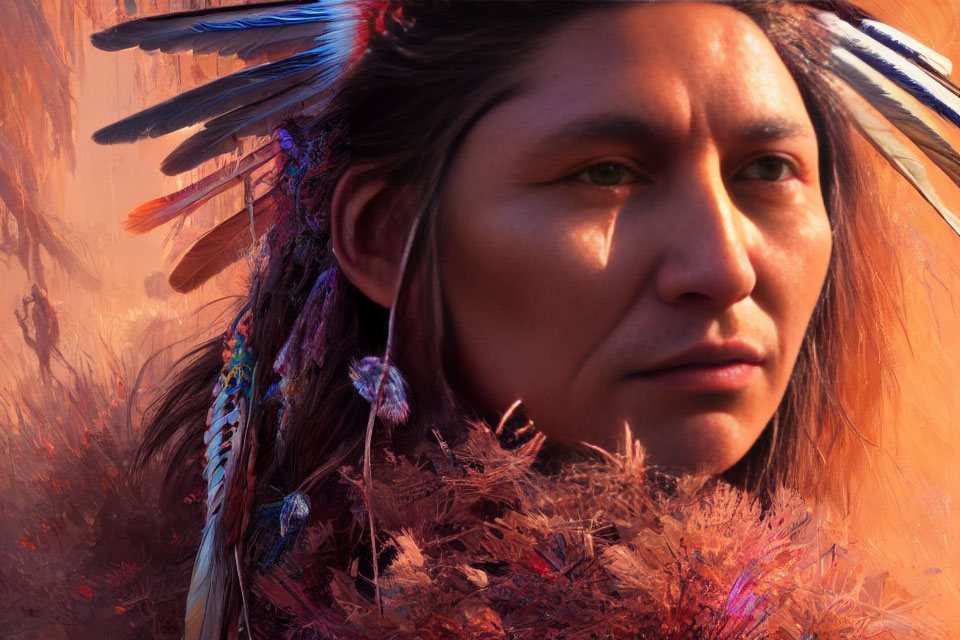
[[634, 130], [775, 129]]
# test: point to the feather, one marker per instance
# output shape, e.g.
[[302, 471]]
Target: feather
[[895, 152], [243, 31], [895, 105], [209, 583], [294, 513], [220, 135], [908, 47], [385, 389], [220, 247], [213, 581], [234, 91], [920, 84], [150, 215]]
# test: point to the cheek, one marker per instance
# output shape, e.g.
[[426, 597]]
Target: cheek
[[799, 259], [518, 282]]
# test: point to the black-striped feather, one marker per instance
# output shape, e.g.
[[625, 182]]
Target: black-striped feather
[[924, 86], [900, 108]]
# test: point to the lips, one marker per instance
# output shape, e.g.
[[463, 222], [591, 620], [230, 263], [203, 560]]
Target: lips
[[726, 366]]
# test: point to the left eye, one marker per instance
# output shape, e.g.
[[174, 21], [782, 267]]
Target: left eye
[[607, 174], [769, 169]]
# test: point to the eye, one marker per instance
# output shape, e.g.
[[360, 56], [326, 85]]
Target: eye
[[769, 169], [607, 174]]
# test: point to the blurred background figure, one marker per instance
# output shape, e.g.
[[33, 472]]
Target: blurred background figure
[[46, 329]]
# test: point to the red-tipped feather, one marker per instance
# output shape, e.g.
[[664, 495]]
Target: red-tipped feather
[[159, 211], [220, 247]]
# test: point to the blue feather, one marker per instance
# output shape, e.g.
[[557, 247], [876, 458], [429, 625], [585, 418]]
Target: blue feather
[[911, 78], [907, 47], [317, 13], [251, 101], [213, 571], [244, 31], [237, 90], [208, 586]]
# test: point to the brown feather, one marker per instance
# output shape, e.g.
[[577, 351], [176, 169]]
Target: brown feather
[[158, 211], [220, 247]]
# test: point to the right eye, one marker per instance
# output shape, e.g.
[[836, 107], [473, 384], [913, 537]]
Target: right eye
[[607, 174]]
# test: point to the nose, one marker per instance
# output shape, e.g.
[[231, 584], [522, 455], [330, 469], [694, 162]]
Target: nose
[[707, 258]]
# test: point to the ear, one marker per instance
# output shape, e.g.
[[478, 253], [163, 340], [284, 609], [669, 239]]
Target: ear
[[368, 232]]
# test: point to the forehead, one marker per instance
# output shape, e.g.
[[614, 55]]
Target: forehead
[[683, 67]]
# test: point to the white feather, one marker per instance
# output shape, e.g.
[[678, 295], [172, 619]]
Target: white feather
[[942, 64], [850, 36]]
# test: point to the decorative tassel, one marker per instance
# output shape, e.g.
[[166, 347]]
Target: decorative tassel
[[294, 514], [368, 375], [306, 341]]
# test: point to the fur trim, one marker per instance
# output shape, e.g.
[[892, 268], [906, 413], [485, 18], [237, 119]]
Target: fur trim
[[480, 544]]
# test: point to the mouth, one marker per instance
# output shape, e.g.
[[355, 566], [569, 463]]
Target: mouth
[[707, 367]]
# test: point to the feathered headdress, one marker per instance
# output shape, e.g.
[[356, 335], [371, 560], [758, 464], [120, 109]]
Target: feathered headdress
[[299, 54]]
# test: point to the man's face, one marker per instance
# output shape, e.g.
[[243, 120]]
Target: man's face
[[639, 235]]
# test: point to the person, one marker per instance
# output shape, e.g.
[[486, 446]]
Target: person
[[569, 221], [46, 328]]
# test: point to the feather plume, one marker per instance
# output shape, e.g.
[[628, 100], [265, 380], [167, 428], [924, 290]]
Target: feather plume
[[895, 152], [220, 135], [482, 545], [213, 582], [221, 246], [320, 35], [150, 215], [897, 106], [294, 513], [908, 47], [234, 91], [927, 89], [243, 31]]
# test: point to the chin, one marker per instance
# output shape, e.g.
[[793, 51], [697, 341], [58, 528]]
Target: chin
[[703, 444]]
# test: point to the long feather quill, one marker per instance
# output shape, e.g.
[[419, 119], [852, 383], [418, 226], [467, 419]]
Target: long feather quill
[[219, 135], [916, 81], [908, 47], [895, 152], [243, 31], [222, 95], [154, 213], [897, 106], [221, 246], [213, 582]]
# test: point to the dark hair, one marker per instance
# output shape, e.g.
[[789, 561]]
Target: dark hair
[[431, 69]]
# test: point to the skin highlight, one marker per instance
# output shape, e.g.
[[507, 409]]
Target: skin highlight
[[639, 243]]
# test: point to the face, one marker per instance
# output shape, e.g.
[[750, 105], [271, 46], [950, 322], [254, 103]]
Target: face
[[638, 236]]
